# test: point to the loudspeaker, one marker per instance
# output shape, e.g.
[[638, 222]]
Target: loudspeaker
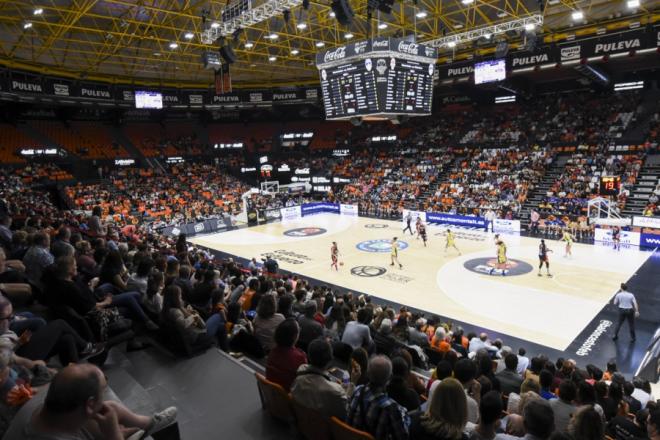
[[228, 54], [343, 12]]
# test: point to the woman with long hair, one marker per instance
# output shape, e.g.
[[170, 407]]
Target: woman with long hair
[[446, 416]]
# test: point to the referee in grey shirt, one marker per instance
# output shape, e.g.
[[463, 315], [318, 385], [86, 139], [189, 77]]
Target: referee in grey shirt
[[628, 310]]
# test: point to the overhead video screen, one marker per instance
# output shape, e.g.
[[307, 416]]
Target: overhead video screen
[[148, 99], [489, 71]]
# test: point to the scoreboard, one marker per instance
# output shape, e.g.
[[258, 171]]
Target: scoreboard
[[610, 185], [383, 76]]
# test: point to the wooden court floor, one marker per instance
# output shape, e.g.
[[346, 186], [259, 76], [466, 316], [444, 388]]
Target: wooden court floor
[[547, 311]]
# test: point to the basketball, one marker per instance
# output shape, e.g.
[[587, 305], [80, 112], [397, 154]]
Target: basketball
[[341, 263]]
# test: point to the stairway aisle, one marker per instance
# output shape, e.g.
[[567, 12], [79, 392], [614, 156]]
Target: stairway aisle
[[535, 197], [648, 179]]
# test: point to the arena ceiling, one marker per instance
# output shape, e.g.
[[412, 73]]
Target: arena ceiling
[[130, 41]]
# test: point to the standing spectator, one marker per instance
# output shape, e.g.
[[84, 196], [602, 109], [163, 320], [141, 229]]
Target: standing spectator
[[373, 411], [314, 387], [285, 358], [446, 416], [628, 311], [534, 218]]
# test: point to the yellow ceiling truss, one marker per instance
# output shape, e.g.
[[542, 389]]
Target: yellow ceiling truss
[[124, 41]]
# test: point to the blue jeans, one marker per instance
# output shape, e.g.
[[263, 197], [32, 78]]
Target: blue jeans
[[215, 327], [31, 322], [131, 302]]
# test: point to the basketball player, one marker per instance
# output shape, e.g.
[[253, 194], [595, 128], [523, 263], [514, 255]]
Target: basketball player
[[395, 253], [408, 228], [418, 223], [451, 242], [616, 238], [568, 238], [421, 230], [543, 258], [501, 257], [334, 256]]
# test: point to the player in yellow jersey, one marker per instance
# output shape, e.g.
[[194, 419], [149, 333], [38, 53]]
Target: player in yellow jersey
[[395, 253], [501, 257], [451, 242], [568, 238]]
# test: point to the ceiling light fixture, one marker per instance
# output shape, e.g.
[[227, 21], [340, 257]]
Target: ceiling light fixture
[[215, 25], [173, 45], [530, 26], [421, 14], [348, 35], [189, 36], [27, 25], [577, 15], [320, 44], [382, 26], [302, 25], [295, 52], [451, 44], [273, 36], [633, 4], [38, 11], [272, 58], [332, 14], [467, 2], [249, 45], [487, 36]]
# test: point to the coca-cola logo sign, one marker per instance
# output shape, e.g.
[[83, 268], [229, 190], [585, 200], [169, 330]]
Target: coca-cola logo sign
[[380, 43], [409, 48], [333, 55]]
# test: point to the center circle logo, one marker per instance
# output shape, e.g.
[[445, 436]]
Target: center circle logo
[[489, 266], [376, 226], [380, 245], [305, 232], [368, 271]]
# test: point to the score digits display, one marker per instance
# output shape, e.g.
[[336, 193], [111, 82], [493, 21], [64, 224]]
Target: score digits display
[[378, 77]]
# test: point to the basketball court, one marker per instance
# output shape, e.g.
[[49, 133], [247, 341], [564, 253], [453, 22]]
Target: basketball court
[[459, 287]]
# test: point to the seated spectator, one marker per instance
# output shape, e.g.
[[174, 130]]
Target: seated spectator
[[266, 321], [563, 407], [515, 400], [188, 322], [74, 408], [357, 333], [372, 410], [490, 414], [153, 300], [465, 372], [399, 389], [285, 358], [546, 380], [622, 428], [634, 404], [416, 335], [138, 281], [383, 339], [205, 293], [13, 284], [37, 258], [538, 419], [510, 380], [315, 388], [56, 337], [586, 424], [310, 328], [447, 414]]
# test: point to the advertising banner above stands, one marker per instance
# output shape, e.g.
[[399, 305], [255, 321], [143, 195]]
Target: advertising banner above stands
[[599, 46], [31, 84], [396, 46], [646, 222], [456, 220]]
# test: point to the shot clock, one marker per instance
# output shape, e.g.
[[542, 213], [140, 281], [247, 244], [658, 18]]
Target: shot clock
[[610, 185]]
